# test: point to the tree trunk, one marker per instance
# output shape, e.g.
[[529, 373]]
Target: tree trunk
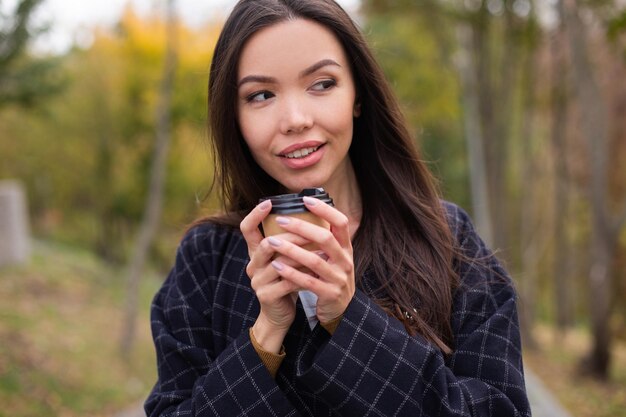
[[154, 200], [495, 52], [504, 82], [594, 120], [481, 56], [561, 270], [599, 360], [531, 240], [474, 136], [104, 244]]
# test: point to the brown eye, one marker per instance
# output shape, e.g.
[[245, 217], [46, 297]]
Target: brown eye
[[324, 85], [259, 96]]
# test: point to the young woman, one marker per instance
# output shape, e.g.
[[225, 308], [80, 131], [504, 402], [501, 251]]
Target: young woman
[[416, 317]]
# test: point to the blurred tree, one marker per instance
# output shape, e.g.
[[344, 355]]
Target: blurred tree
[[492, 48], [23, 78], [502, 42], [532, 243], [474, 136], [134, 56], [424, 79], [606, 226], [559, 101], [154, 201], [85, 155], [497, 37]]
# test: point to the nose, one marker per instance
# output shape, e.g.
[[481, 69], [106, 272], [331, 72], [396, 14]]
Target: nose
[[295, 116]]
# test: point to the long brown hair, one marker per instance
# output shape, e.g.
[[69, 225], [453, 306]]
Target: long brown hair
[[404, 239]]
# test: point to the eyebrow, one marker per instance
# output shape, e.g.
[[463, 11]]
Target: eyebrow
[[317, 66], [256, 79], [304, 73]]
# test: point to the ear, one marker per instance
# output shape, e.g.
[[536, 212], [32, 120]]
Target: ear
[[357, 109]]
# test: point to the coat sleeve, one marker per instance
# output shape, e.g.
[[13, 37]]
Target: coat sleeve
[[371, 366], [193, 379]]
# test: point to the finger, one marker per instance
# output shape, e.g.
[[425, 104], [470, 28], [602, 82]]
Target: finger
[[325, 239], [274, 291], [333, 298], [260, 257], [309, 260], [249, 226], [339, 223], [265, 252], [265, 277], [287, 237], [293, 238], [304, 281]]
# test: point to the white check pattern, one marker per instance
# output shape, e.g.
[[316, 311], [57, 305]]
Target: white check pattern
[[370, 366]]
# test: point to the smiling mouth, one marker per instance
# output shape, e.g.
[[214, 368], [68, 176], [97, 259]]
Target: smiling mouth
[[301, 153]]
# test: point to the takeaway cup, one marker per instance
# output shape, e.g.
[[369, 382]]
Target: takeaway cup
[[292, 205]]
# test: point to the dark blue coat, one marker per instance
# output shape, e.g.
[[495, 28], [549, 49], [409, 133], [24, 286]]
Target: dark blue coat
[[207, 365]]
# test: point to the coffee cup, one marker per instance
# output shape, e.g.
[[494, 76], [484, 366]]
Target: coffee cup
[[292, 205]]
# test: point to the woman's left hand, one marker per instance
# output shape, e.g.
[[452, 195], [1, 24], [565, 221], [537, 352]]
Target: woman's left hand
[[334, 282]]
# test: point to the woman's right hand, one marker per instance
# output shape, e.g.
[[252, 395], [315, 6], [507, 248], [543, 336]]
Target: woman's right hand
[[276, 296]]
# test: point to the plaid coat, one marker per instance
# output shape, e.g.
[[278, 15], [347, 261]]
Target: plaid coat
[[207, 365]]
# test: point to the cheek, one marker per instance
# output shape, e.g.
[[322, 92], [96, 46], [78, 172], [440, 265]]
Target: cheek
[[342, 108], [340, 119], [253, 133]]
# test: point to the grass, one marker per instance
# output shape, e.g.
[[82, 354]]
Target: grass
[[557, 364], [60, 321]]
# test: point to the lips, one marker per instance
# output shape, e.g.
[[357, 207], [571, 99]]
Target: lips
[[302, 155], [300, 150]]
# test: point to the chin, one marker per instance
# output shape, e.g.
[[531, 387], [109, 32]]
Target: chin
[[296, 187]]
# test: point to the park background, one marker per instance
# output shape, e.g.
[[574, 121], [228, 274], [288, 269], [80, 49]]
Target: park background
[[519, 107]]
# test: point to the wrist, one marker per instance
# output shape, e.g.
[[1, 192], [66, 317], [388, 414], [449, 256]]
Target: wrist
[[270, 338], [332, 325]]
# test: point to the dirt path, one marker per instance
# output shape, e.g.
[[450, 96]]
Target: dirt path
[[542, 402]]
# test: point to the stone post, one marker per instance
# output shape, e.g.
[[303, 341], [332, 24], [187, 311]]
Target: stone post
[[14, 229]]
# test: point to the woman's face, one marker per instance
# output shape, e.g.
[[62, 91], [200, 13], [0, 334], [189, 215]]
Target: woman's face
[[296, 103]]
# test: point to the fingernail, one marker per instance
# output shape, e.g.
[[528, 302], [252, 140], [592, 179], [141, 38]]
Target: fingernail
[[265, 204], [282, 220], [274, 241], [309, 201], [277, 265]]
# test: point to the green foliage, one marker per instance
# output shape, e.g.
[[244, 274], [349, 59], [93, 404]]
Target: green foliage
[[24, 79], [85, 155], [613, 15], [15, 31], [617, 25], [419, 65]]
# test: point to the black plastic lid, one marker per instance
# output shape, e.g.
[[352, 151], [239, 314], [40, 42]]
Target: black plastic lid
[[292, 203]]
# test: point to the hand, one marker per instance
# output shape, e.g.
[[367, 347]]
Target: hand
[[276, 296], [331, 280]]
